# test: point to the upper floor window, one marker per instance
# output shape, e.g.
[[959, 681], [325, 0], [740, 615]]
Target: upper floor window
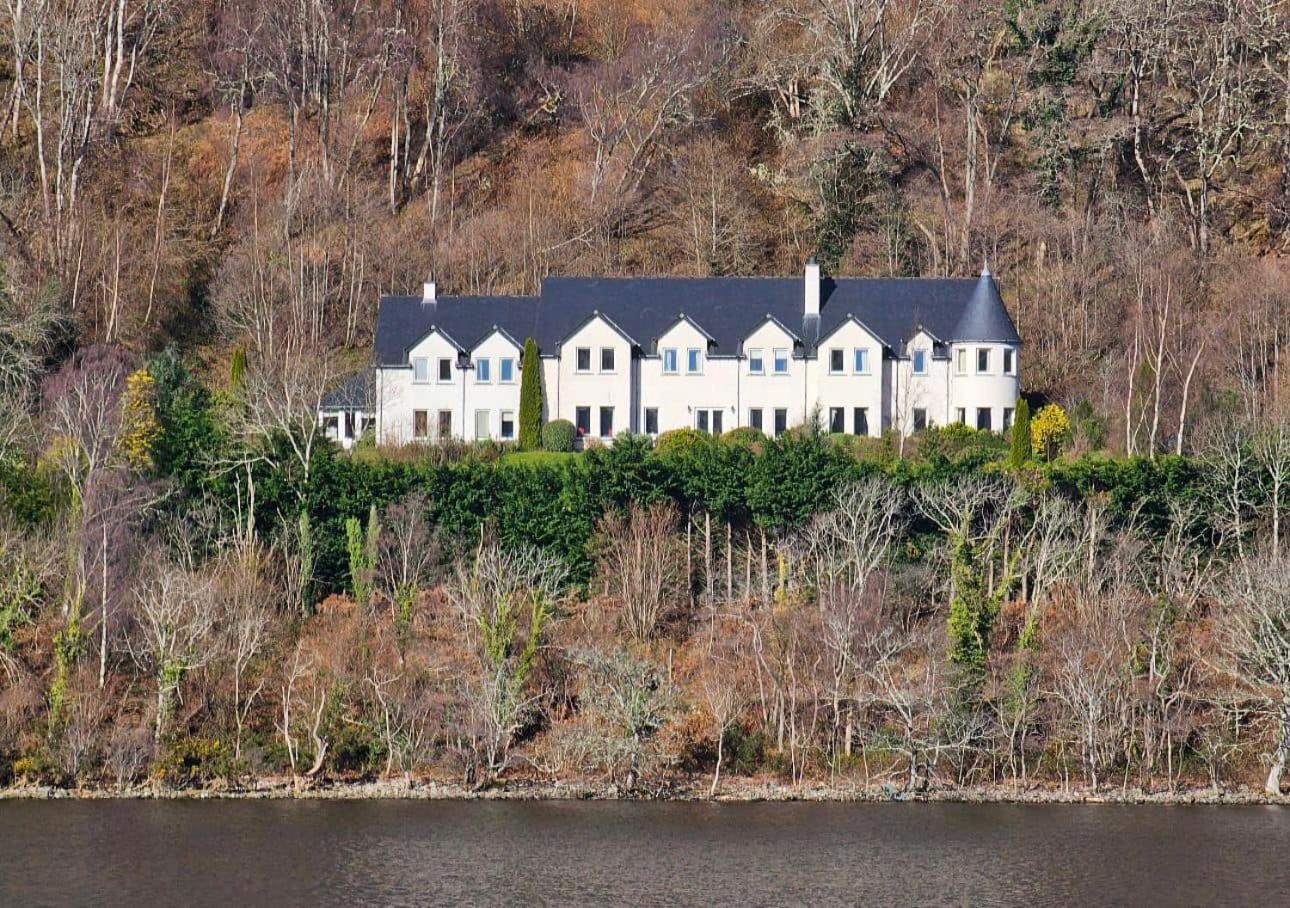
[[756, 365], [860, 361], [445, 369], [920, 362], [606, 359], [420, 369], [506, 370], [835, 362], [583, 363], [1009, 361], [781, 361], [960, 361], [694, 361], [483, 371], [669, 361], [982, 360]]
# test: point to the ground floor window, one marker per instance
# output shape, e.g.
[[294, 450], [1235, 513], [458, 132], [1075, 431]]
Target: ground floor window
[[606, 422], [837, 419], [920, 419], [708, 420], [420, 423], [754, 418], [330, 424], [481, 424], [445, 423], [651, 420], [508, 424], [781, 421], [983, 418], [582, 420], [1007, 418], [960, 414], [861, 421]]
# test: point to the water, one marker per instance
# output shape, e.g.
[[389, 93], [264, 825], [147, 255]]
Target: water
[[584, 853]]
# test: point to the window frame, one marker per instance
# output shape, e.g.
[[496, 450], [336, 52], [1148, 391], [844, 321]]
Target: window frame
[[420, 418], [756, 423], [781, 421], [579, 429], [837, 417], [838, 355], [502, 363], [578, 368], [919, 419], [983, 352], [696, 354], [445, 361], [602, 422], [1009, 413], [440, 432], [860, 361], [424, 363], [651, 416], [670, 353], [961, 361], [613, 360], [860, 415], [786, 359], [961, 413], [483, 371], [918, 362], [503, 417], [989, 419], [1009, 361], [755, 355]]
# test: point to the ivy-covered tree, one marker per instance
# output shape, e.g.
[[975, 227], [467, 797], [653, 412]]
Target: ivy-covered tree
[[530, 397]]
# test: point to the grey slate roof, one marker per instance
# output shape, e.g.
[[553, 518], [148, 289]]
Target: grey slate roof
[[727, 309], [358, 392]]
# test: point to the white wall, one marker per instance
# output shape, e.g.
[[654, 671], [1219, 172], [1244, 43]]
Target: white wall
[[768, 390], [971, 389], [910, 392], [493, 396], [594, 388], [677, 396], [848, 389], [398, 395]]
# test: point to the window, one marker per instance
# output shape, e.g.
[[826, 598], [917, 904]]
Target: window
[[331, 425], [669, 361], [1007, 418], [960, 416], [781, 361], [606, 359], [861, 421], [982, 360], [920, 362], [582, 420], [349, 423], [606, 422], [755, 364], [837, 419], [481, 424], [693, 361], [708, 420], [983, 418], [860, 361], [920, 419], [754, 418], [651, 420], [781, 421], [960, 361], [506, 370], [445, 369], [835, 362], [508, 424], [420, 423], [583, 363], [445, 423], [420, 369], [1009, 361], [483, 372]]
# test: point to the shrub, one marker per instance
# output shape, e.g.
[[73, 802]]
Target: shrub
[[558, 435], [1020, 451], [530, 397], [680, 441], [1049, 431], [745, 437]]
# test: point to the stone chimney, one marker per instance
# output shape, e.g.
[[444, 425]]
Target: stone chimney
[[811, 294]]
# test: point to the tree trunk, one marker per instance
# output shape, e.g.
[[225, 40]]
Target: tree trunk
[[1273, 785]]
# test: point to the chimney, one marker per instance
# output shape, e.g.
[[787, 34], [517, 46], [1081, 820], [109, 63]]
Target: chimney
[[811, 297], [428, 291]]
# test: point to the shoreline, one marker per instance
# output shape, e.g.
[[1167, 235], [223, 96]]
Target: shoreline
[[695, 791]]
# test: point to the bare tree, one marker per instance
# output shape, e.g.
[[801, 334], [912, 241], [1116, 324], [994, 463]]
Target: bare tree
[[641, 564]]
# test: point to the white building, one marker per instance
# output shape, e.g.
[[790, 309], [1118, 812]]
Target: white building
[[652, 354]]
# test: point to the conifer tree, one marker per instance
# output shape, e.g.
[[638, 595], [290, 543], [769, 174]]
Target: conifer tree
[[530, 397], [1020, 451]]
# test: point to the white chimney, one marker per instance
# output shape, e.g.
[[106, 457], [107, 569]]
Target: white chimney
[[811, 297], [428, 292]]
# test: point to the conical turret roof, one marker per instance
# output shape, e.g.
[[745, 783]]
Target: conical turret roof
[[985, 319]]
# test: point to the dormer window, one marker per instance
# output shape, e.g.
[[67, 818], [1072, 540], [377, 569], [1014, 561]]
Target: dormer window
[[920, 362], [1009, 361], [420, 369], [693, 361]]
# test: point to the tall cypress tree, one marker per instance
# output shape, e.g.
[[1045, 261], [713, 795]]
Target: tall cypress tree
[[530, 398], [1020, 452]]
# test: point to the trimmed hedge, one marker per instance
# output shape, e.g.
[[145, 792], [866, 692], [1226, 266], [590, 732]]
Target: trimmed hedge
[[558, 436]]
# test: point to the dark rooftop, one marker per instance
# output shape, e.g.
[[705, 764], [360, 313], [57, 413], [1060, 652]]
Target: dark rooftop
[[727, 309]]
